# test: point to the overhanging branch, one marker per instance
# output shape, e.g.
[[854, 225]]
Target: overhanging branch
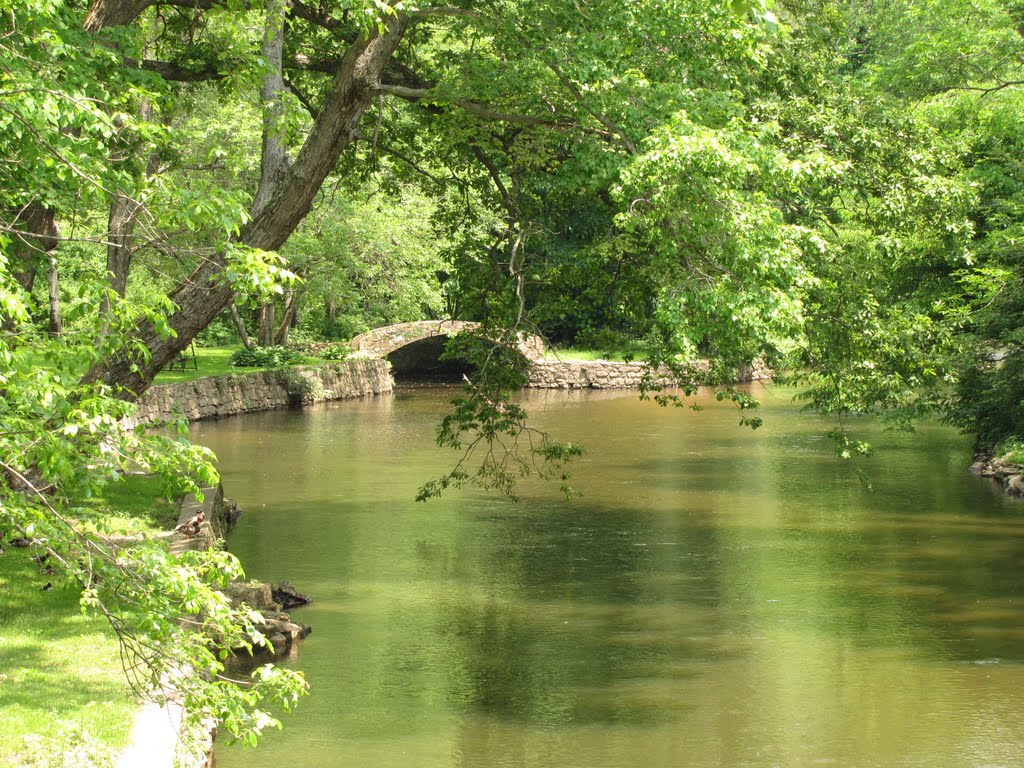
[[419, 94], [170, 71]]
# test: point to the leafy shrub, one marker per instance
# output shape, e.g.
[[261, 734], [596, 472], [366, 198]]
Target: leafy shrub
[[1011, 450], [989, 400], [335, 352], [220, 333], [301, 387], [265, 357]]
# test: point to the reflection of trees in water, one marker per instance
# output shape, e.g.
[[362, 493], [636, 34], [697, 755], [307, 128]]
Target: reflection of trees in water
[[716, 595], [922, 562], [576, 604]]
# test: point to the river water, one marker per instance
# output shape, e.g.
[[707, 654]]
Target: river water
[[716, 597]]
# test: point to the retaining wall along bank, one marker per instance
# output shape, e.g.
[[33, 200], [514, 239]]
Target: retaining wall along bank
[[236, 393], [217, 396], [604, 374]]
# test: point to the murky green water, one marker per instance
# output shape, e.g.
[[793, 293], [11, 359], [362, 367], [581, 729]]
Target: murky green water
[[718, 597]]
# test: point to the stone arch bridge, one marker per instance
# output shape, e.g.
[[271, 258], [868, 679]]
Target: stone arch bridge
[[415, 348]]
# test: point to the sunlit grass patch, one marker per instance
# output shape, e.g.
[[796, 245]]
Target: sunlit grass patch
[[134, 504], [574, 354], [60, 670], [1011, 450], [212, 361]]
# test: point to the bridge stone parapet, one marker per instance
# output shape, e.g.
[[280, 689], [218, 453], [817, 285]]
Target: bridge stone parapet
[[381, 342]]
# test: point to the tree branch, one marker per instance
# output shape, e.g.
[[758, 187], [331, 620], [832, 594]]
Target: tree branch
[[445, 10], [417, 94], [320, 18], [170, 71], [600, 117]]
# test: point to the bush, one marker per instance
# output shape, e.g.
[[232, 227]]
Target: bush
[[220, 333], [265, 357], [301, 387], [989, 400], [1011, 450], [334, 352]]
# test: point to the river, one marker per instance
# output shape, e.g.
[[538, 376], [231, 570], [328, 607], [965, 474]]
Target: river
[[716, 597]]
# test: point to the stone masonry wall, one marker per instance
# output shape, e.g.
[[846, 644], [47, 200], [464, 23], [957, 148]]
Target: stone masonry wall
[[594, 374], [215, 397], [602, 374], [219, 396]]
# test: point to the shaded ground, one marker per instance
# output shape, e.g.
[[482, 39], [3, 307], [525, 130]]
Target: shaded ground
[[57, 666]]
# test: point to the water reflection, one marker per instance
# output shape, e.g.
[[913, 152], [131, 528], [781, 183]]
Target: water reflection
[[717, 597]]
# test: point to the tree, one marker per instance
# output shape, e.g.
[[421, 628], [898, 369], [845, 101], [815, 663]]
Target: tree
[[965, 80], [60, 120]]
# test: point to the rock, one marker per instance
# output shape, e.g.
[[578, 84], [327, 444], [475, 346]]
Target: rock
[[1015, 485], [278, 615], [998, 467], [280, 632], [278, 642], [252, 593], [289, 597]]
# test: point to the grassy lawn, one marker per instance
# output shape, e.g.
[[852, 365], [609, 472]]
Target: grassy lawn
[[212, 361], [573, 354], [61, 670], [57, 667], [136, 504]]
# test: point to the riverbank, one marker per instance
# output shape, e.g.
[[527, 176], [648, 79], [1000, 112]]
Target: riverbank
[[218, 396], [64, 697], [215, 397], [1008, 474], [158, 735]]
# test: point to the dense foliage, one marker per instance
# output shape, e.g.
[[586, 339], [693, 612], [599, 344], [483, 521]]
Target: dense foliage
[[264, 357]]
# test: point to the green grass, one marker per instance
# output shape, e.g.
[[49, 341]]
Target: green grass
[[58, 668], [135, 504], [1011, 450], [213, 361], [570, 354]]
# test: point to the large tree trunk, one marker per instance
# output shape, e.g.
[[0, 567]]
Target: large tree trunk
[[121, 225], [204, 294], [35, 234], [274, 158], [120, 248], [114, 13]]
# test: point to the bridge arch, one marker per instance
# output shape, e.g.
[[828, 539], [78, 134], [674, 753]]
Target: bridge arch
[[414, 349]]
